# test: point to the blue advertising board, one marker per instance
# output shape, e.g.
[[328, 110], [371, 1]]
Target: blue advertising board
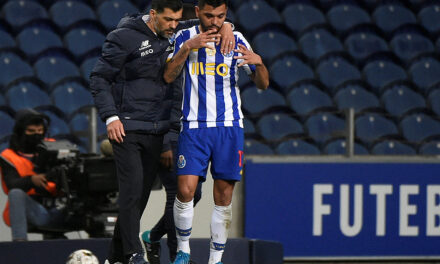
[[345, 209]]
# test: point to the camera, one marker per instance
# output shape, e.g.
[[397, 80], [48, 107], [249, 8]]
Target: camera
[[87, 186]]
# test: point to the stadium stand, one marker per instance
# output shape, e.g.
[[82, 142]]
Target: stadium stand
[[299, 17], [270, 44], [71, 96], [323, 126], [26, 95], [248, 11], [13, 67], [318, 42], [389, 17], [379, 73], [335, 71], [373, 126], [109, 12], [66, 13], [277, 126], [297, 147], [392, 147], [345, 16], [357, 97], [424, 73], [307, 97], [253, 147], [338, 147], [19, 13], [399, 99], [35, 39], [255, 101], [53, 69], [430, 148]]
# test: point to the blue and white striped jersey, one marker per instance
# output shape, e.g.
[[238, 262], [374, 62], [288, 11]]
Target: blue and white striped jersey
[[211, 97]]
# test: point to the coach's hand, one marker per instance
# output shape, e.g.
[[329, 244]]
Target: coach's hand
[[228, 39], [202, 40], [248, 56], [166, 159], [115, 131]]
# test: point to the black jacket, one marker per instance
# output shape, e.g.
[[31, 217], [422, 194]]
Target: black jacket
[[127, 80]]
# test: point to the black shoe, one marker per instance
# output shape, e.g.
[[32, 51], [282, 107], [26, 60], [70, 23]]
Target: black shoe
[[137, 258], [152, 248]]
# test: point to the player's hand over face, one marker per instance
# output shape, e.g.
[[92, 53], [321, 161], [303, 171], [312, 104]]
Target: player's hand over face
[[203, 40], [39, 180], [115, 131], [248, 56], [228, 39], [166, 159]]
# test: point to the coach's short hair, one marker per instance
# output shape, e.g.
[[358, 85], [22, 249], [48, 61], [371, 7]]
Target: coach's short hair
[[160, 5], [214, 3]]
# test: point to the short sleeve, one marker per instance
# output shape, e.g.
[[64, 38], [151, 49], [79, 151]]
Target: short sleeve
[[248, 68]]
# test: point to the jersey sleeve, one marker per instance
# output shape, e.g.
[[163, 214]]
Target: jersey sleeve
[[242, 40]]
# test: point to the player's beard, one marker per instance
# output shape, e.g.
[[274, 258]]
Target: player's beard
[[206, 28]]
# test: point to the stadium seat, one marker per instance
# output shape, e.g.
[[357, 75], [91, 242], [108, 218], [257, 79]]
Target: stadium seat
[[319, 42], [7, 124], [249, 11], [389, 17], [430, 148], [335, 71], [307, 97], [110, 12], [434, 101], [7, 40], [323, 126], [71, 96], [255, 101], [344, 17], [425, 73], [289, 70], [2, 100], [361, 45], [18, 13], [418, 127], [87, 67], [53, 69], [400, 98], [249, 127], [429, 18], [269, 44], [297, 147], [357, 97], [392, 147], [33, 40], [253, 147], [12, 67], [373, 126], [57, 124], [380, 73], [299, 17], [79, 125], [67, 13], [339, 147], [81, 40], [4, 145], [278, 126], [26, 95], [408, 46]]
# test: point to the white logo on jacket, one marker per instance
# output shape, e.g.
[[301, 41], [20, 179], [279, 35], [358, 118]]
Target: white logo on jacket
[[145, 45]]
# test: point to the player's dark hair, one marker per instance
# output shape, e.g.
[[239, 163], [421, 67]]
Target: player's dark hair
[[213, 3], [160, 5]]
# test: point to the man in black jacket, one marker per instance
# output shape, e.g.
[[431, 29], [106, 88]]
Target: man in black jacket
[[135, 103]]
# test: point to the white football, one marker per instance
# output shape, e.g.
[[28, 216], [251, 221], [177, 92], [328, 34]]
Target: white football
[[82, 256]]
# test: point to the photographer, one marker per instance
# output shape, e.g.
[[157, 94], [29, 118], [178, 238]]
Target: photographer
[[30, 194]]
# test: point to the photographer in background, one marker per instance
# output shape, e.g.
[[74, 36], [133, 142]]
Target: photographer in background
[[30, 194]]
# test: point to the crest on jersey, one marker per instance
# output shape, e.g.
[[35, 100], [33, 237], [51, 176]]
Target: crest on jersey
[[210, 52], [230, 54], [172, 38], [181, 162]]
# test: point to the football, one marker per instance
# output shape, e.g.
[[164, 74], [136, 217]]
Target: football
[[82, 256]]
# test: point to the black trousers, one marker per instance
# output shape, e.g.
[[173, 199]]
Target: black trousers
[[165, 225], [137, 160]]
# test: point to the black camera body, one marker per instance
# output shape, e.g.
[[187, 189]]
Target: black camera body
[[86, 183]]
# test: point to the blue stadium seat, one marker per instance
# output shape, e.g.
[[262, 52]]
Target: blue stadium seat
[[323, 126], [249, 11], [67, 13], [253, 147], [357, 97], [19, 13], [278, 126], [407, 46], [392, 147], [289, 70], [57, 124], [434, 101], [418, 127], [249, 127], [255, 101], [379, 73], [299, 17], [373, 126], [79, 125], [26, 95], [429, 18], [400, 99], [12, 67], [53, 69], [389, 17], [87, 67], [344, 16], [297, 147], [81, 40], [7, 124], [110, 12], [2, 100], [33, 40], [269, 44], [319, 42], [336, 70], [71, 96], [425, 73], [338, 147], [361, 45], [430, 148], [7, 40], [307, 97]]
